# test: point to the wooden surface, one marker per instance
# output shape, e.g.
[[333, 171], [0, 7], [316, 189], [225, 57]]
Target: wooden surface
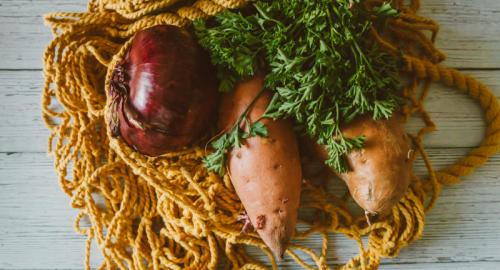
[[462, 231]]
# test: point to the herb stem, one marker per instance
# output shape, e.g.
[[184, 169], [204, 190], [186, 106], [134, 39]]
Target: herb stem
[[362, 55], [331, 25], [243, 115]]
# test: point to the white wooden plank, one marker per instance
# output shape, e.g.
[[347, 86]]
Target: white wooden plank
[[23, 36], [467, 31], [22, 127], [454, 266], [37, 221], [459, 119], [462, 231]]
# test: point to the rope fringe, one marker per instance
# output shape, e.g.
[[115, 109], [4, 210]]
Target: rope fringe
[[168, 211]]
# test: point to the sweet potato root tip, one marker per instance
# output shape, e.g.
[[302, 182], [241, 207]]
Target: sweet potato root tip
[[409, 154], [244, 217], [367, 215], [279, 243]]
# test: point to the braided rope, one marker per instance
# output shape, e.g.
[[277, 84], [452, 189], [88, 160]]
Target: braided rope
[[168, 211]]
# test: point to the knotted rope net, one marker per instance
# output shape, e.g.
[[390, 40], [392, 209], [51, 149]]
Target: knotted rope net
[[169, 212]]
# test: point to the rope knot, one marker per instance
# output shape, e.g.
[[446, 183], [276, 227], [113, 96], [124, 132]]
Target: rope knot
[[389, 245], [156, 253], [148, 222]]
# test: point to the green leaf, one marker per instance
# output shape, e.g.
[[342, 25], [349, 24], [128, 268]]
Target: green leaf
[[383, 109], [322, 65], [272, 110], [221, 142], [258, 129]]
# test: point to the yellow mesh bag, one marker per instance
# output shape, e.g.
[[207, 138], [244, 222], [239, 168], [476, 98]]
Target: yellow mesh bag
[[169, 212]]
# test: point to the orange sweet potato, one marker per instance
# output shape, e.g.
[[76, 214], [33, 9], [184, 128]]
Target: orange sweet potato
[[265, 172], [381, 170]]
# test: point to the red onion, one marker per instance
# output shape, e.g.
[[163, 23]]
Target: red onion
[[164, 93]]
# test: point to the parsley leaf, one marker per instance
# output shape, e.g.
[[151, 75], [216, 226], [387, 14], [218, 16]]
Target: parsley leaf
[[323, 65], [234, 139]]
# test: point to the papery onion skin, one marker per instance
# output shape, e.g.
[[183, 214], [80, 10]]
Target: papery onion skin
[[170, 90]]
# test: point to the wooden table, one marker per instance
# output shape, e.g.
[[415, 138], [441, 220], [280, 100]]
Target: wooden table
[[462, 231]]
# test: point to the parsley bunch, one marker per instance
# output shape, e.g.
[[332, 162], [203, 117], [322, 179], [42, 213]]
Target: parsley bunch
[[323, 66]]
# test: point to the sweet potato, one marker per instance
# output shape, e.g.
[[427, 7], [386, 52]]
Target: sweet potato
[[265, 172], [381, 170]]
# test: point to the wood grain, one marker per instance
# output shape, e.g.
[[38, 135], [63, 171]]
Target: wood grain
[[462, 231], [23, 36], [466, 30]]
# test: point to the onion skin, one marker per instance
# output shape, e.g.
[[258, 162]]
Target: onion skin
[[164, 94]]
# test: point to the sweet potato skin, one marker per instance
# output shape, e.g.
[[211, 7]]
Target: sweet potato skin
[[265, 172], [381, 171]]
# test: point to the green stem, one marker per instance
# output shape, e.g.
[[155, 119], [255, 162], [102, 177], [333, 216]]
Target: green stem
[[362, 55], [264, 14], [331, 25], [242, 116]]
